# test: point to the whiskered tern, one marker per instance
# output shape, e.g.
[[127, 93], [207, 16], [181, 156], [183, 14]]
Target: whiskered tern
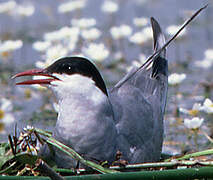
[[97, 122]]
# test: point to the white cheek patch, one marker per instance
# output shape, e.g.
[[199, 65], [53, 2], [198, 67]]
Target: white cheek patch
[[72, 80], [69, 85]]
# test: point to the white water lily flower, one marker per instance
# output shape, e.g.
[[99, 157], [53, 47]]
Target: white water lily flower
[[71, 6], [115, 33], [63, 33], [194, 111], [7, 47], [91, 34], [142, 37], [118, 55], [207, 62], [52, 36], [121, 31], [171, 30], [83, 23], [175, 78], [96, 52], [41, 45], [70, 32], [56, 52], [125, 30], [6, 7], [6, 108], [109, 7], [27, 10], [138, 38], [208, 106], [147, 31], [140, 22], [193, 123], [10, 45], [209, 54]]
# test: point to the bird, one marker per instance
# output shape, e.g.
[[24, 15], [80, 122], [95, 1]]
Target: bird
[[97, 122]]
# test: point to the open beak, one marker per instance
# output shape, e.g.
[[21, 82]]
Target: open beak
[[36, 72]]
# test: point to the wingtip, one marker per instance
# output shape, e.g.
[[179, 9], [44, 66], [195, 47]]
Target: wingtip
[[158, 36], [153, 20]]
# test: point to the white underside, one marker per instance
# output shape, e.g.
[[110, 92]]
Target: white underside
[[79, 101]]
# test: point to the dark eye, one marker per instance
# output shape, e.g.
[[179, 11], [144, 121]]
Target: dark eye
[[66, 67]]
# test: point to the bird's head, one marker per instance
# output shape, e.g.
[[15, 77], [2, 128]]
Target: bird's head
[[65, 74]]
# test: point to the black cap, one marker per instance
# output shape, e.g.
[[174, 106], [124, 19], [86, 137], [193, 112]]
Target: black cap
[[78, 65]]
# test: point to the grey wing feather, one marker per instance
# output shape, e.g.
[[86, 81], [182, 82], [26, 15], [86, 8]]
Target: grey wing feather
[[139, 103]]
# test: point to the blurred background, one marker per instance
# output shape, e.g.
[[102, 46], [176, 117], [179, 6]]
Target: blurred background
[[116, 35]]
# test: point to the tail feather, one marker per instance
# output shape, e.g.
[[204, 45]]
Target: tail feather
[[158, 37], [160, 65]]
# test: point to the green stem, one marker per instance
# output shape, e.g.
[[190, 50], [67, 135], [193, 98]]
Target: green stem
[[189, 173], [196, 154], [172, 164], [195, 139], [164, 164], [42, 132], [193, 173]]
